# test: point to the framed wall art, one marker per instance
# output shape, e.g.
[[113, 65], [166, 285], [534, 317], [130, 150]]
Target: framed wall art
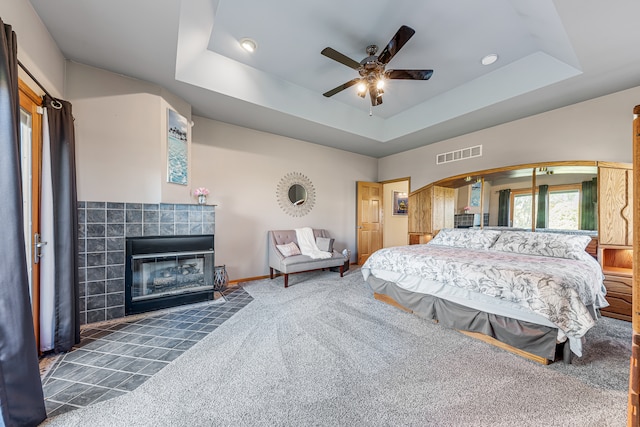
[[475, 193], [400, 203], [177, 148]]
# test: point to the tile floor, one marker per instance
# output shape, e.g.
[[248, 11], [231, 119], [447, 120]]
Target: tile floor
[[116, 357]]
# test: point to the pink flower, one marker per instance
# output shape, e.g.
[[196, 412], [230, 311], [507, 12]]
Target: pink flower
[[200, 191]]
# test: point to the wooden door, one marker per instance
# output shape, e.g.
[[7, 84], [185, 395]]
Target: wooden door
[[369, 219], [31, 162]]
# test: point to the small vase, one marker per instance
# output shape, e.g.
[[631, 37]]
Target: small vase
[[202, 199]]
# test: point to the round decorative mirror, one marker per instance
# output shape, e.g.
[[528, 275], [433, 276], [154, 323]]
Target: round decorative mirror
[[296, 194]]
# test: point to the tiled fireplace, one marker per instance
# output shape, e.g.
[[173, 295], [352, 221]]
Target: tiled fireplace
[[167, 271], [103, 228]]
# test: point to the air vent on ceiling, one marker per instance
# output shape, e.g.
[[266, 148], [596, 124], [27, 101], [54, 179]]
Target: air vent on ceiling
[[463, 153]]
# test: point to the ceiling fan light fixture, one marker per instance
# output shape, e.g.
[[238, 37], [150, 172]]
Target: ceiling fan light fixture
[[248, 44], [489, 59], [372, 68]]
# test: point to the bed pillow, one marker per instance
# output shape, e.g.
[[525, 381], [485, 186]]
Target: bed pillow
[[465, 238], [325, 244], [290, 249], [570, 246]]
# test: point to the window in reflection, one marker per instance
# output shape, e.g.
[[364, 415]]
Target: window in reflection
[[521, 209], [562, 210]]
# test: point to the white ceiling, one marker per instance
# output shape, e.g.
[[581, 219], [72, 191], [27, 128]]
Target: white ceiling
[[552, 54]]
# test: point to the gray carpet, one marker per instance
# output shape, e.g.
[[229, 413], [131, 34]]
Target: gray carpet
[[324, 352]]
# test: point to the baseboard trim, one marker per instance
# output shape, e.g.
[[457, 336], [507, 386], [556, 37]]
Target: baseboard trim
[[252, 279]]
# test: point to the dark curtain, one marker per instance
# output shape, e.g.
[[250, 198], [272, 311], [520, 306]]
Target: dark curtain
[[21, 398], [589, 205], [542, 215], [65, 228], [504, 201]]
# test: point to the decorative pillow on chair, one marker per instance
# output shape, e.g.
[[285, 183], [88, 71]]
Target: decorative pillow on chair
[[324, 244], [290, 249]]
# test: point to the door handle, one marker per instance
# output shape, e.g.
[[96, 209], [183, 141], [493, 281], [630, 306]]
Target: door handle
[[37, 248]]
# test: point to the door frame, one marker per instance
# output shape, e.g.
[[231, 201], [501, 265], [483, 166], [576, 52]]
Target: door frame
[[32, 102], [359, 219]]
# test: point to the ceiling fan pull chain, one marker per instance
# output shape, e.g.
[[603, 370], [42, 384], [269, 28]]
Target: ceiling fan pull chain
[[370, 111]]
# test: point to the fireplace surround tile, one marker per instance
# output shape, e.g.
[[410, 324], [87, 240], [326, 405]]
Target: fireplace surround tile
[[115, 216], [150, 229], [181, 228], [167, 229], [102, 231], [151, 217], [167, 217]]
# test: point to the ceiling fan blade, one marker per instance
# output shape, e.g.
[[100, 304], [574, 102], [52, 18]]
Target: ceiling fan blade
[[409, 74], [402, 36], [343, 59], [341, 87]]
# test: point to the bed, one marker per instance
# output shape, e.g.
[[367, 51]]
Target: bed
[[533, 293]]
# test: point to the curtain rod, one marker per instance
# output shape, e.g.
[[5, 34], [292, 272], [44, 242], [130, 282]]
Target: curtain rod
[[54, 103]]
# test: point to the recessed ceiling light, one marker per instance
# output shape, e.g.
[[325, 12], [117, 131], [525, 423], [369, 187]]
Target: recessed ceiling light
[[248, 44], [489, 59]]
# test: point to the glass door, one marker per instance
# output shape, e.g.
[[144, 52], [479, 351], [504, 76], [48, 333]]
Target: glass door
[[31, 155]]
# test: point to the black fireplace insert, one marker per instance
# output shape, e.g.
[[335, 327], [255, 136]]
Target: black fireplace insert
[[167, 271]]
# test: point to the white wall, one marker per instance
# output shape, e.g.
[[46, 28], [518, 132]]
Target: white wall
[[242, 169], [598, 129], [395, 229], [36, 49], [121, 157], [121, 138]]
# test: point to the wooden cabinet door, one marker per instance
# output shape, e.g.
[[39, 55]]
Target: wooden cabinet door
[[426, 210], [420, 211], [443, 208], [615, 206], [414, 213]]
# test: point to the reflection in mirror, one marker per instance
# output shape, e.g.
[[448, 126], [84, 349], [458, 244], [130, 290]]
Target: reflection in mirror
[[297, 194], [568, 199], [565, 199], [507, 204]]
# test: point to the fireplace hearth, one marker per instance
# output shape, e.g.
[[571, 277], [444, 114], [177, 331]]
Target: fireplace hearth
[[167, 271]]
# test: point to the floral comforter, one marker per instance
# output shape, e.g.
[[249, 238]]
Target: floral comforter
[[558, 289]]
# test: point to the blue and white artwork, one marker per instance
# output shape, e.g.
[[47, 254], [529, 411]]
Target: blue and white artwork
[[475, 194], [177, 149]]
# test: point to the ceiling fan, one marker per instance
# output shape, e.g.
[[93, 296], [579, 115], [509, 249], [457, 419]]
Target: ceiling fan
[[372, 68]]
